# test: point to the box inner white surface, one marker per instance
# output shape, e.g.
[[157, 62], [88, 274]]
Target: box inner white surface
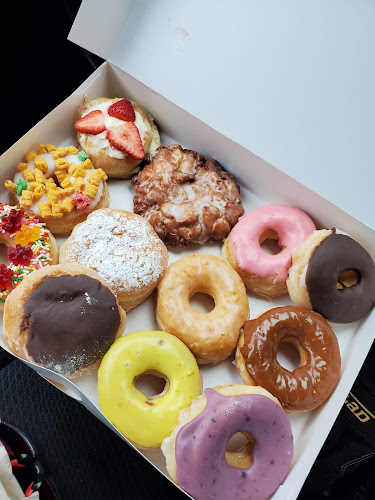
[[291, 81], [261, 184]]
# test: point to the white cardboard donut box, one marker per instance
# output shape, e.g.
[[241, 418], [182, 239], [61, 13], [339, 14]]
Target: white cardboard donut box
[[171, 28]]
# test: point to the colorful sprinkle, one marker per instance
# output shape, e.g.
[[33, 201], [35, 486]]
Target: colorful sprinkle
[[21, 186], [82, 155]]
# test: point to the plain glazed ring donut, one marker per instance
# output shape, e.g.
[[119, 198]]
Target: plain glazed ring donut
[[309, 385], [321, 274], [264, 273], [211, 336], [185, 198], [145, 420], [63, 318], [59, 185], [30, 247], [123, 248], [195, 451]]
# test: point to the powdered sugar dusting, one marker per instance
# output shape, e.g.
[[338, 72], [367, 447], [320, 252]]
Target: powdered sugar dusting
[[122, 248]]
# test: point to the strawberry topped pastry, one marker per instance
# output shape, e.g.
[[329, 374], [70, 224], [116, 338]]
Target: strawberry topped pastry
[[116, 134]]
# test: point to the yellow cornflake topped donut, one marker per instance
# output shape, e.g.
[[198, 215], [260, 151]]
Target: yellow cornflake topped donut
[[56, 182]]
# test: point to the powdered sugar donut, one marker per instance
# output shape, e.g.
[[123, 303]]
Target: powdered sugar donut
[[123, 248]]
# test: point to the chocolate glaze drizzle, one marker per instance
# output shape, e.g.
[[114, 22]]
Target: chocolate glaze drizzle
[[336, 254], [71, 321]]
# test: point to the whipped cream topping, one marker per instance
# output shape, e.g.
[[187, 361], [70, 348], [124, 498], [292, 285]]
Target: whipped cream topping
[[100, 142]]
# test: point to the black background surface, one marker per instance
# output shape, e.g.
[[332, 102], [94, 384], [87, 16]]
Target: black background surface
[[39, 69]]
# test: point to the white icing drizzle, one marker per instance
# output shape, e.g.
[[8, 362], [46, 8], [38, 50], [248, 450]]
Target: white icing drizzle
[[51, 170], [125, 251]]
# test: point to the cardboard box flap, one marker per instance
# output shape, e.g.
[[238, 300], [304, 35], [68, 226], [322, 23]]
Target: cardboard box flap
[[289, 81], [98, 30]]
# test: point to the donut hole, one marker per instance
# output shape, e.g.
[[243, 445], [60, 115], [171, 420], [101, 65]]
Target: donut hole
[[347, 279], [238, 452], [269, 242], [152, 384], [290, 355], [202, 302]]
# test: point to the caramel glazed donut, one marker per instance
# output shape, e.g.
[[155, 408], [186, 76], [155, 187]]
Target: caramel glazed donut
[[213, 336], [64, 318], [309, 385], [185, 198], [333, 275], [195, 451], [59, 185]]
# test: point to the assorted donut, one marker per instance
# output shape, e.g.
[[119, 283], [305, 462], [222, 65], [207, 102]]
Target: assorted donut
[[147, 420], [59, 185], [30, 246], [196, 454], [123, 248], [186, 198], [70, 317], [63, 317]]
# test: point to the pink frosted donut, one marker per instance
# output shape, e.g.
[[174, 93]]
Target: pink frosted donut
[[261, 272]]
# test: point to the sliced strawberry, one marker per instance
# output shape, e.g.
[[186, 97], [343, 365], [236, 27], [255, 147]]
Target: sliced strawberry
[[123, 110], [126, 138], [92, 123]]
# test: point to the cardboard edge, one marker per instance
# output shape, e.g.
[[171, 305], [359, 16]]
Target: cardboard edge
[[109, 26]]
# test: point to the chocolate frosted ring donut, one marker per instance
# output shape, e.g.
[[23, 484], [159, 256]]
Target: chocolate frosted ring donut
[[316, 282], [185, 198], [309, 385]]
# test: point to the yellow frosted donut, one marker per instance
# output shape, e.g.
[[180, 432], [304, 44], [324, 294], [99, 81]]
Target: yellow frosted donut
[[145, 420]]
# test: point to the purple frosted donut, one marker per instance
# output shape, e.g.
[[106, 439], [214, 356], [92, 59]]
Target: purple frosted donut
[[196, 450]]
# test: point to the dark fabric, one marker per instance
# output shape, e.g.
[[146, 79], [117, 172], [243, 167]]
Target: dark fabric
[[346, 464], [85, 459]]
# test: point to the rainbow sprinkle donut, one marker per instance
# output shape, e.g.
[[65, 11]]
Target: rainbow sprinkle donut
[[30, 247]]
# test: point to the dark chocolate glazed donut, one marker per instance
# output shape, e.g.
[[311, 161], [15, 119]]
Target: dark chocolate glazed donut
[[70, 322], [336, 254]]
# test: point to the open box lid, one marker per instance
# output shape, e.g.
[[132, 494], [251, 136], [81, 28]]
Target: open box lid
[[291, 81]]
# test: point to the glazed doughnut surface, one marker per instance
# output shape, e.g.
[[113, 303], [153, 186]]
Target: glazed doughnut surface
[[264, 273], [314, 278], [195, 451], [309, 385], [185, 198], [145, 420], [210, 336]]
